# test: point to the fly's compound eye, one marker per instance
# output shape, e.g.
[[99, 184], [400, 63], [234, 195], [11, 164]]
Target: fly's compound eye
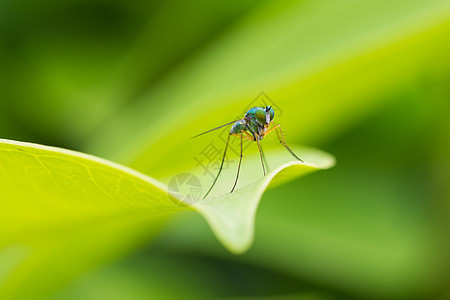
[[260, 115]]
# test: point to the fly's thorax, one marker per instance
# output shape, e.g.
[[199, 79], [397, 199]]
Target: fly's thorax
[[253, 126], [251, 112], [258, 120]]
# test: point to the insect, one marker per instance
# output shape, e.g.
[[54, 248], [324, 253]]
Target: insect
[[256, 124]]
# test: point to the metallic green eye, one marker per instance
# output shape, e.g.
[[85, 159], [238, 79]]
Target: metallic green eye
[[260, 114]]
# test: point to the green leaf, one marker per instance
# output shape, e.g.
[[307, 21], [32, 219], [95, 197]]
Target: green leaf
[[64, 212], [232, 215]]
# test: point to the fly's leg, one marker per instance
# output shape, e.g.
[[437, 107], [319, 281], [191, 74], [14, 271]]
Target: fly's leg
[[261, 156], [272, 129], [239, 166], [249, 136], [220, 169], [265, 160], [281, 138]]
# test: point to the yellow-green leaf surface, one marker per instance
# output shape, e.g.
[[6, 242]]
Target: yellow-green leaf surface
[[63, 212], [232, 215]]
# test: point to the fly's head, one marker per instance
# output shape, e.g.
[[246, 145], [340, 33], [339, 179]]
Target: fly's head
[[264, 115]]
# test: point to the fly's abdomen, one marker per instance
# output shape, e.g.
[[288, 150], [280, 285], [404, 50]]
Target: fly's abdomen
[[238, 127]]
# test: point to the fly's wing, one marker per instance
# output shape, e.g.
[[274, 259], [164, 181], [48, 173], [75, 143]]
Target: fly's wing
[[218, 127]]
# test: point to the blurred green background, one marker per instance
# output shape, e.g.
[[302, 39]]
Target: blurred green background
[[368, 81]]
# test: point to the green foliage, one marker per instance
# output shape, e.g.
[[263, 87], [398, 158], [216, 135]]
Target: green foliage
[[232, 215], [133, 81], [55, 200], [65, 212]]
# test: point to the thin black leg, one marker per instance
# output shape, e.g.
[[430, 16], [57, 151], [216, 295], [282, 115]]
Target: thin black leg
[[220, 169], [239, 167], [261, 156]]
